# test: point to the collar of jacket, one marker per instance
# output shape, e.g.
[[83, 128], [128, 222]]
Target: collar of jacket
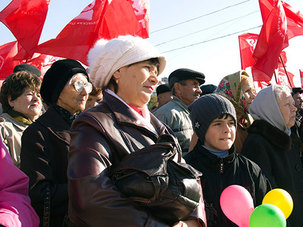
[[125, 116], [178, 101], [55, 124], [274, 135], [211, 160]]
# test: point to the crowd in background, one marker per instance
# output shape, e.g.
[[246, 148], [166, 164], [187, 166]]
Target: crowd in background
[[62, 134]]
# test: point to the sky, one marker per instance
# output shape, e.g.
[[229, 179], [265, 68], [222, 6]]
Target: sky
[[198, 34]]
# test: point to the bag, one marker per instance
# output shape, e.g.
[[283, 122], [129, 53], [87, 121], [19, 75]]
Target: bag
[[169, 190]]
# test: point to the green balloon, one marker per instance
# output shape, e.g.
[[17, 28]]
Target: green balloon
[[267, 215]]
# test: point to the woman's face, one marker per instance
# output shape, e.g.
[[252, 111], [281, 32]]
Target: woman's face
[[28, 103], [72, 100], [248, 91], [136, 82], [287, 107]]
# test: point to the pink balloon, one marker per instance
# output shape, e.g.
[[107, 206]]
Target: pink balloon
[[237, 204]]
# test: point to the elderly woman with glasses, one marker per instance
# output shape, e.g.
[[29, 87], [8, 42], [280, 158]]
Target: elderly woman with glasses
[[65, 89]]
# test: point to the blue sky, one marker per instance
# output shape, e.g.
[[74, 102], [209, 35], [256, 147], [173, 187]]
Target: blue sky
[[190, 22]]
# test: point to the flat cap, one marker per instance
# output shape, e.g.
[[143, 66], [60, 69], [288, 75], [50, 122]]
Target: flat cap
[[27, 67], [162, 88], [208, 88], [297, 90], [185, 74]]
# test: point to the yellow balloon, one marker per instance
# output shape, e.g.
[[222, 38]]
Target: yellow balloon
[[280, 198]]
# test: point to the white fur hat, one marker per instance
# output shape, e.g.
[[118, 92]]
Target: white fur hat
[[107, 56]]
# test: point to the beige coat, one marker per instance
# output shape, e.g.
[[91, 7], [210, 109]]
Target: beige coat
[[11, 132]]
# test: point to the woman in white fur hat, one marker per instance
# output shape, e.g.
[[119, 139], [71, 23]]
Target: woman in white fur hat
[[126, 68]]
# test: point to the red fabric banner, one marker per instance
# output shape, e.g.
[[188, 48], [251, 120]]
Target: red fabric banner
[[285, 78], [7, 63], [294, 17], [247, 43], [301, 77], [272, 40], [25, 19], [101, 19]]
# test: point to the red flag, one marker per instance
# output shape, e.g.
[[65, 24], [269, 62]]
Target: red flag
[[247, 43], [7, 63], [25, 19], [272, 40], [285, 78], [42, 61], [294, 18], [301, 77], [101, 19]]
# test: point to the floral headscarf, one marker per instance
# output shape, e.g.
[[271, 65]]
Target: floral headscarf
[[230, 87]]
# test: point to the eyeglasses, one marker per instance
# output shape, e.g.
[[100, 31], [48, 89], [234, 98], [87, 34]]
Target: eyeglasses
[[79, 86]]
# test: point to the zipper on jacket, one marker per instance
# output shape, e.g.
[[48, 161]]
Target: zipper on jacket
[[221, 166]]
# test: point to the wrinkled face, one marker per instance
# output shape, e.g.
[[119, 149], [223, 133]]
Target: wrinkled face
[[28, 103], [248, 91], [164, 98], [72, 100], [189, 91], [298, 100], [287, 107], [220, 134], [136, 82], [93, 101]]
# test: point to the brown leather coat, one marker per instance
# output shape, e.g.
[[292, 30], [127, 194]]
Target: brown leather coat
[[96, 144]]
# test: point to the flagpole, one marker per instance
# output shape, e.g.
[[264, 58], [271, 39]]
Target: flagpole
[[276, 77], [285, 71]]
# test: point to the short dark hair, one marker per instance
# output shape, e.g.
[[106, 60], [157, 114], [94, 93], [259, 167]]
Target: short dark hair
[[15, 84]]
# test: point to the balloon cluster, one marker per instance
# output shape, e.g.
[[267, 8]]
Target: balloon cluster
[[237, 205]]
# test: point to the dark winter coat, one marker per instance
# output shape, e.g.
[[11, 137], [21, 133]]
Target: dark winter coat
[[219, 173], [279, 159], [44, 159], [96, 145]]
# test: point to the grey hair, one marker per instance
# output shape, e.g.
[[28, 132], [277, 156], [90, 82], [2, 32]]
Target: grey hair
[[279, 89]]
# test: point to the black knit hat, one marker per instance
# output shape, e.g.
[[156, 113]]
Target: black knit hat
[[27, 67], [56, 78], [206, 109], [162, 88], [185, 74]]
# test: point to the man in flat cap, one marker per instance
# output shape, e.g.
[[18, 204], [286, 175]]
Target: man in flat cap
[[163, 95], [185, 86]]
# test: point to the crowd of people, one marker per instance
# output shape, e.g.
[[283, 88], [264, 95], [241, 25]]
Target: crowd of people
[[62, 136]]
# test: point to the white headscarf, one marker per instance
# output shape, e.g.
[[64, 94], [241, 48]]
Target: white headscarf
[[265, 107]]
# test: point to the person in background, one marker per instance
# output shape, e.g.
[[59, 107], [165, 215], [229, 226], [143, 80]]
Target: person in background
[[206, 89], [239, 89], [94, 98], [22, 105], [269, 144], [126, 69], [15, 205], [185, 85], [163, 94], [215, 121], [45, 143], [28, 68], [297, 129]]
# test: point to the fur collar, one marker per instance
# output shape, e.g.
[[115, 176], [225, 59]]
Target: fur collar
[[275, 136]]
